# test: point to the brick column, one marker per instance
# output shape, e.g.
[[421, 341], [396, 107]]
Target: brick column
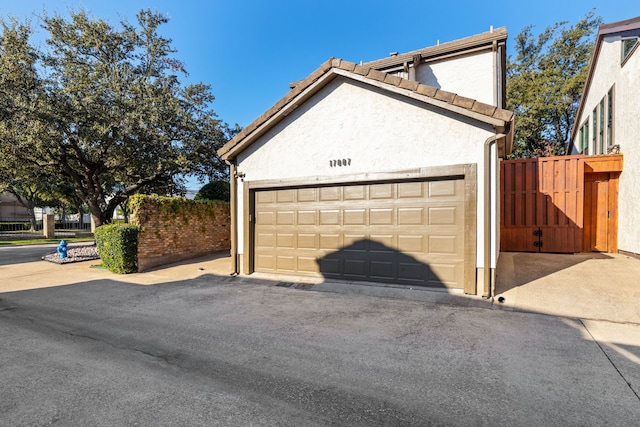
[[49, 226]]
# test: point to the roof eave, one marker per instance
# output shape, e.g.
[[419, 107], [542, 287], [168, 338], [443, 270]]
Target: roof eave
[[432, 52], [335, 67], [604, 30], [231, 149]]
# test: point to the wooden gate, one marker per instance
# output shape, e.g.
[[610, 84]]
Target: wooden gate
[[542, 204]]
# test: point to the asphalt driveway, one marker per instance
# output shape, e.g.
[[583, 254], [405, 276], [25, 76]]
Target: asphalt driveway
[[217, 350]]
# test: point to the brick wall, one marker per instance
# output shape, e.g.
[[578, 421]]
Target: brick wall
[[176, 229]]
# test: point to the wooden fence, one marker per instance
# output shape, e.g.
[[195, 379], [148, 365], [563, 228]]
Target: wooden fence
[[542, 203]]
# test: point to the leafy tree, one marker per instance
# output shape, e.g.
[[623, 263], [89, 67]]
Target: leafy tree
[[18, 89], [215, 190], [102, 107], [544, 84]]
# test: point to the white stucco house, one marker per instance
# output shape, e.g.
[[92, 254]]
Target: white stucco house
[[606, 121], [378, 172]]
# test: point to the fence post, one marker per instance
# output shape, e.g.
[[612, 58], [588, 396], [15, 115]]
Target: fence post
[[49, 226]]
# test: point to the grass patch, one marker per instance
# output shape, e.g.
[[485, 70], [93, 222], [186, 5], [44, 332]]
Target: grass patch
[[41, 241]]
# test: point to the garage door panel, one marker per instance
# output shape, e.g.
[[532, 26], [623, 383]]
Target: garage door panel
[[411, 244], [411, 271], [379, 216], [307, 195], [355, 268], [443, 188], [411, 216], [285, 218], [307, 217], [330, 241], [355, 192], [307, 264], [447, 192], [447, 215], [381, 191], [265, 197], [285, 263], [266, 240], [328, 194], [447, 273], [265, 262], [355, 243], [285, 196], [410, 190], [386, 242], [403, 232], [307, 241], [382, 270], [330, 266], [266, 218], [285, 240], [355, 217], [329, 217], [445, 245]]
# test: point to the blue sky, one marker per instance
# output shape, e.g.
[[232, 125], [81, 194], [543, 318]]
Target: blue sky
[[250, 50]]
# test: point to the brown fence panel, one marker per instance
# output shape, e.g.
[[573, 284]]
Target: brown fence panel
[[542, 204]]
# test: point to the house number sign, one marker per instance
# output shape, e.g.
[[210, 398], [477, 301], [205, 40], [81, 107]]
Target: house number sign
[[339, 163]]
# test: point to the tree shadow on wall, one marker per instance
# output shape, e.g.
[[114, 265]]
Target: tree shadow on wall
[[371, 261]]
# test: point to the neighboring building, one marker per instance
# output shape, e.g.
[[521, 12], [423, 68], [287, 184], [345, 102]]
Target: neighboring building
[[377, 172], [11, 210], [606, 121]]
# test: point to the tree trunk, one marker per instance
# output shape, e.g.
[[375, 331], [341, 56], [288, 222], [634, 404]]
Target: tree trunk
[[32, 217], [99, 216], [30, 206]]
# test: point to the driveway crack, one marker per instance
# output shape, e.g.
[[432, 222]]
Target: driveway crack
[[610, 360], [167, 359]]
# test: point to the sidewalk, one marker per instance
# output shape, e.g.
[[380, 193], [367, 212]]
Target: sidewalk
[[42, 274]]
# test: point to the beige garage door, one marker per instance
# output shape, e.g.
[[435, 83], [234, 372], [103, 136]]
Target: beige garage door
[[402, 232]]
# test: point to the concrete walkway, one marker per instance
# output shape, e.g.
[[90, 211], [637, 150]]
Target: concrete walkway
[[42, 274], [586, 286]]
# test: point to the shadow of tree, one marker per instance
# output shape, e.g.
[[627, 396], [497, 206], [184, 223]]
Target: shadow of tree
[[371, 261]]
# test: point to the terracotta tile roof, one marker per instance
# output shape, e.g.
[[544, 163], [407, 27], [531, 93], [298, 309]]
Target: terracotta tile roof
[[334, 67]]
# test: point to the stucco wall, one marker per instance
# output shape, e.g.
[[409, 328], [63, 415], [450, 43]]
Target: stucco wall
[[626, 130], [469, 75], [379, 132]]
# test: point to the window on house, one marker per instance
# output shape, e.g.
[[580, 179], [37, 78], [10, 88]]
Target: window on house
[[610, 118], [581, 146], [601, 137], [585, 138], [594, 126], [627, 46]]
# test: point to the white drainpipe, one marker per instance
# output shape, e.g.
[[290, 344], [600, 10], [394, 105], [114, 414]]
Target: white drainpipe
[[487, 291]]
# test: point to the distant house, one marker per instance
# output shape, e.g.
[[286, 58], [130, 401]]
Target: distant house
[[11, 209], [378, 172], [607, 121]]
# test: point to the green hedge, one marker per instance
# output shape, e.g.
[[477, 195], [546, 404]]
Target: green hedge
[[118, 247]]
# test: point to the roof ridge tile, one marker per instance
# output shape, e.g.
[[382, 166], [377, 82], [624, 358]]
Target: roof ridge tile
[[445, 96]]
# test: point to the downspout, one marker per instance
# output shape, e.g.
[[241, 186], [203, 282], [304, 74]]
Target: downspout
[[487, 291], [233, 186]]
